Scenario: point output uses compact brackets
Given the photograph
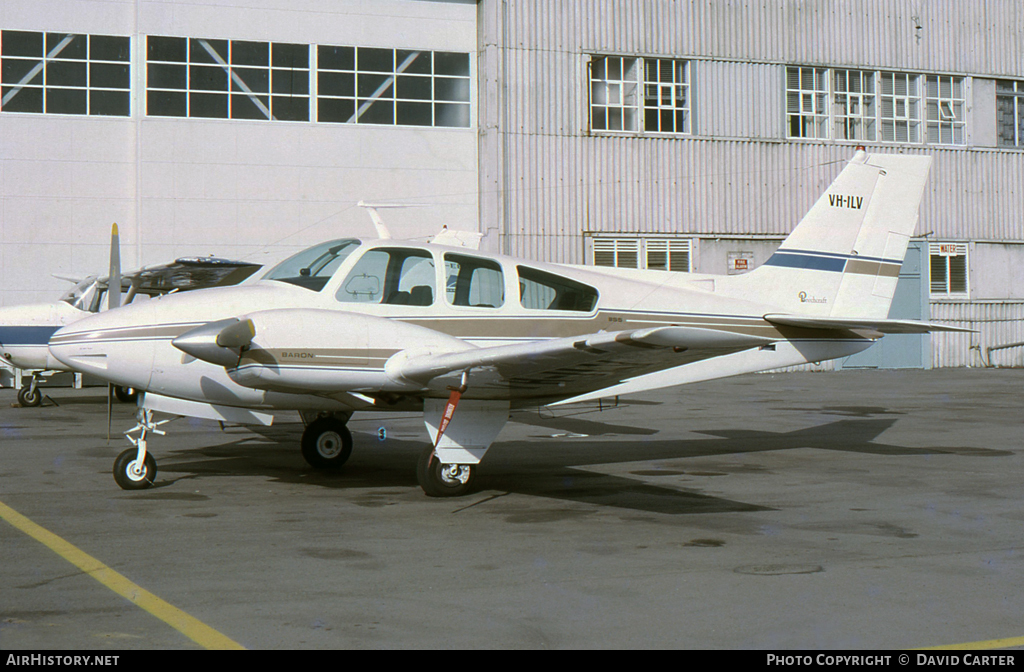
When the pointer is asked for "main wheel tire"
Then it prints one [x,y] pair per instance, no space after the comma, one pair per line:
[128,476]
[443,480]
[126,395]
[28,397]
[326,443]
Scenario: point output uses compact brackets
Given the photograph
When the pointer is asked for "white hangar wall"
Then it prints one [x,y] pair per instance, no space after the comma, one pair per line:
[243,188]
[552,183]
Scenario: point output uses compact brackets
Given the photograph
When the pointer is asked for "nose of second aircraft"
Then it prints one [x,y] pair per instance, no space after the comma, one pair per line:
[107,346]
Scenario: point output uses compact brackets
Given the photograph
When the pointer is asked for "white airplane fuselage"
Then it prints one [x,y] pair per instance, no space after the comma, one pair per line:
[25,333]
[315,349]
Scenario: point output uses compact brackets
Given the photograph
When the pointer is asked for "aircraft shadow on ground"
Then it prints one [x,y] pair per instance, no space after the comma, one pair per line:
[542,467]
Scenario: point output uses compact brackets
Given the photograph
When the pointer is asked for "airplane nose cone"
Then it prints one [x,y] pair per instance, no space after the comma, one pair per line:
[103,346]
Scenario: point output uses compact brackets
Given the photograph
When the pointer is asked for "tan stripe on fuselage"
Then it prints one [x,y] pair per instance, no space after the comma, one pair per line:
[863,267]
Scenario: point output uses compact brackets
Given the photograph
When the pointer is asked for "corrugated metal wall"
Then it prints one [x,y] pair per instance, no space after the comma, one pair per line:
[548,179]
[973,37]
[997,323]
[561,187]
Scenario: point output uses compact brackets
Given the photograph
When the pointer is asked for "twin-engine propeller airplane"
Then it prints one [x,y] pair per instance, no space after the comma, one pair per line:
[25,330]
[464,336]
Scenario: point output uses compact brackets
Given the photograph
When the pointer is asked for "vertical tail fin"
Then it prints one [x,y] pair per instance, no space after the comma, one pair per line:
[843,259]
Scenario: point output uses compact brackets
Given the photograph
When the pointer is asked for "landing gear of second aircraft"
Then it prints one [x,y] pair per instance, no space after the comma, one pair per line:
[29,395]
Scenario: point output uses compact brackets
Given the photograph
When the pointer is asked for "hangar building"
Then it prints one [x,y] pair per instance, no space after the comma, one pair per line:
[682,135]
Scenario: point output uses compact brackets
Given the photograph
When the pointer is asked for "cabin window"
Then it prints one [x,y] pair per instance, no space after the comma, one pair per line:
[312,268]
[543,291]
[474,282]
[392,276]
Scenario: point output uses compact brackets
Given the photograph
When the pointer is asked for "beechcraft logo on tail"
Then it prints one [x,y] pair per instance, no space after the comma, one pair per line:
[840,201]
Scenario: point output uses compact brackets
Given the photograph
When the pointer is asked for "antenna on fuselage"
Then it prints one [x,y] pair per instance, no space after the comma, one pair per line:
[378,222]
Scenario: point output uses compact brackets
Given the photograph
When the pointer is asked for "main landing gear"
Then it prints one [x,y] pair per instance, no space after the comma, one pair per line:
[326,442]
[443,480]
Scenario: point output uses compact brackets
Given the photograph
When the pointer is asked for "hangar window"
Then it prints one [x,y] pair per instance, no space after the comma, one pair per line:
[226,79]
[900,107]
[655,254]
[864,105]
[947,265]
[807,102]
[544,291]
[398,87]
[854,105]
[64,73]
[1010,113]
[645,95]
[944,110]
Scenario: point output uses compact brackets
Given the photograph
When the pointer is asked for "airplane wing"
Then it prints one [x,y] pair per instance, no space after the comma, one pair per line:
[267,342]
[881,326]
[565,366]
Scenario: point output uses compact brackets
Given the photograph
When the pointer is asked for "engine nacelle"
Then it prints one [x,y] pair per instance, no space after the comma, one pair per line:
[323,351]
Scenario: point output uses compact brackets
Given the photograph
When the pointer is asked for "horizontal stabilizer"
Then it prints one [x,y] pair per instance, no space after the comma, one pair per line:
[881,326]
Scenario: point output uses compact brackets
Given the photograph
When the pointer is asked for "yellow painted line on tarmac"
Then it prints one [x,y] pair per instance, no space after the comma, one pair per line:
[194,629]
[1007,643]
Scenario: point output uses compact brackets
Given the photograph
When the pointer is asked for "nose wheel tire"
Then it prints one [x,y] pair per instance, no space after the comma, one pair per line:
[126,395]
[28,396]
[443,480]
[326,443]
[130,475]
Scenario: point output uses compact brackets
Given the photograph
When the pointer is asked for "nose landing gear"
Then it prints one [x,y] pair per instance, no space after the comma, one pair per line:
[29,395]
[135,468]
[131,474]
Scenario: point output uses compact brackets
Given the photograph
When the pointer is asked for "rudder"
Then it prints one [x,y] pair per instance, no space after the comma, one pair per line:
[843,258]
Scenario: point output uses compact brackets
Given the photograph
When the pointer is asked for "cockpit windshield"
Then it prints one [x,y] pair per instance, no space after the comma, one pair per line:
[84,295]
[312,268]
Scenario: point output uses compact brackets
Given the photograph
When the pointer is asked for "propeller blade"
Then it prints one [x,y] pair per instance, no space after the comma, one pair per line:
[110,410]
[114,282]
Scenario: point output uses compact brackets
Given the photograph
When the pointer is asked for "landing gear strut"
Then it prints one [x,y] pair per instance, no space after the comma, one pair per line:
[327,443]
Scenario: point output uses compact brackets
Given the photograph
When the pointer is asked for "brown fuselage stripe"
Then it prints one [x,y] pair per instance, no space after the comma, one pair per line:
[874,268]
